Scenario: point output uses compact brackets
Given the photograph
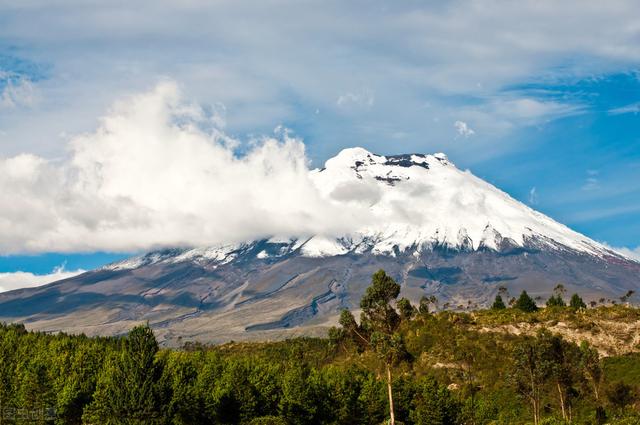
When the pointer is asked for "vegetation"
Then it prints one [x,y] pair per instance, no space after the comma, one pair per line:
[525,303]
[416,366]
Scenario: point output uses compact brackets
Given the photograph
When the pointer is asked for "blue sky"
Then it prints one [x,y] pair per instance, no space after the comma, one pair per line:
[539,98]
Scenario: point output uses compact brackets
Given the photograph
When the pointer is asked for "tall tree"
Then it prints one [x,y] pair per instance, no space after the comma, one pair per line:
[590,364]
[378,326]
[130,390]
[531,370]
[564,359]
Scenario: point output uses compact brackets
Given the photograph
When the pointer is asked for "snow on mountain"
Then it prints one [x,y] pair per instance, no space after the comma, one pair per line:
[414,202]
[424,200]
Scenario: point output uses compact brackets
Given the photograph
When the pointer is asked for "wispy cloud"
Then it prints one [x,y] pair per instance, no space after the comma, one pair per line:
[533,196]
[633,108]
[361,98]
[633,253]
[16,91]
[592,182]
[315,57]
[604,212]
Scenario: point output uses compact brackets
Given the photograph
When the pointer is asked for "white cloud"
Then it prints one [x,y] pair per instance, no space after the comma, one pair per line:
[633,108]
[364,98]
[17,280]
[592,182]
[306,55]
[633,253]
[463,129]
[151,175]
[533,196]
[18,92]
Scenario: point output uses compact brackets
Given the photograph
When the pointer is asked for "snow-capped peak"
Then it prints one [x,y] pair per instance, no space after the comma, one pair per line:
[405,202]
[421,201]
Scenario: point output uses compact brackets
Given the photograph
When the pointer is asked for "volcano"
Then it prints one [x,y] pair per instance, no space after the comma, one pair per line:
[436,229]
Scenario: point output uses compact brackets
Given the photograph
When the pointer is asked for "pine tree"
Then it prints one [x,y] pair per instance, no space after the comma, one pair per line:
[576,303]
[498,304]
[129,389]
[525,303]
[555,301]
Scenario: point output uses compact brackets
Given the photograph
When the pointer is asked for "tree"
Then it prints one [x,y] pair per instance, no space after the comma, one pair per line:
[557,298]
[498,304]
[555,301]
[424,306]
[434,405]
[530,372]
[129,388]
[564,359]
[300,402]
[425,302]
[525,303]
[378,326]
[590,364]
[405,309]
[628,295]
[576,302]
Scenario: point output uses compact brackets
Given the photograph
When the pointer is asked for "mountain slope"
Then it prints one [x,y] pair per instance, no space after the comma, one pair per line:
[435,228]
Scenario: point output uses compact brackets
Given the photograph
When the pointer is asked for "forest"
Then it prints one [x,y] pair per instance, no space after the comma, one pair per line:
[399,364]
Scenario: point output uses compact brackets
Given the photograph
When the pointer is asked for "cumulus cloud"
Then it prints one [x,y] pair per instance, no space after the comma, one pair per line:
[158,172]
[17,280]
[463,129]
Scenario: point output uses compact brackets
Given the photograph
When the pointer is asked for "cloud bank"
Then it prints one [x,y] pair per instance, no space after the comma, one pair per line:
[17,280]
[376,63]
[159,172]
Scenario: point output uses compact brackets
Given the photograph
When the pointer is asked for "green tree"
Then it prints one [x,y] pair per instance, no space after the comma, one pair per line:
[498,303]
[405,309]
[576,303]
[525,303]
[434,405]
[423,307]
[531,370]
[555,301]
[302,400]
[591,367]
[378,328]
[129,389]
[564,363]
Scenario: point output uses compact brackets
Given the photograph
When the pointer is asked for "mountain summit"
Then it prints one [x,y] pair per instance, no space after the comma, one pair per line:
[437,229]
[422,201]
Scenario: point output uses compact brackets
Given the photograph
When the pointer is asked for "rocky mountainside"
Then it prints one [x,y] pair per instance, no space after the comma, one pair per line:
[439,230]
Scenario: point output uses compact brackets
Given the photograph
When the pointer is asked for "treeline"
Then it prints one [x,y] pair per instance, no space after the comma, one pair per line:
[441,369]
